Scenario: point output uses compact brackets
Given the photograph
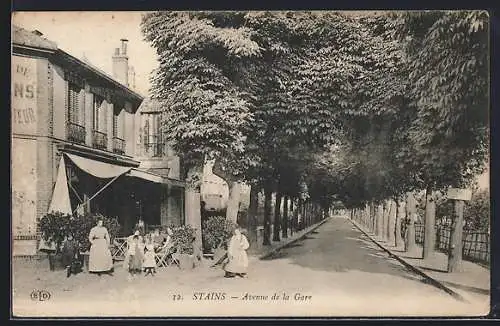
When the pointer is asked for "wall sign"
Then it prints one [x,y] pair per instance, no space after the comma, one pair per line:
[459,194]
[24,95]
[24,182]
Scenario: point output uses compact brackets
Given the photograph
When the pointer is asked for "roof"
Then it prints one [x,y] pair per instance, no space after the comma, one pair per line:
[27,38]
[31,41]
[150,105]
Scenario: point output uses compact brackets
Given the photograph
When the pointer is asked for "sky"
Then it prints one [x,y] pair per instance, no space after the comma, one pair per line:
[96,35]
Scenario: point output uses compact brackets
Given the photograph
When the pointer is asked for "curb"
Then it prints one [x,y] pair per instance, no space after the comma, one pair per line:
[412,268]
[281,246]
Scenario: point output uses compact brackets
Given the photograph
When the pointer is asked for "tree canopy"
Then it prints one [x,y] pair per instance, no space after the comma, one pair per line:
[361,107]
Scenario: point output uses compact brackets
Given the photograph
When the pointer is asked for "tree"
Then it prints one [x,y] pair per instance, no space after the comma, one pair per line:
[447,57]
[198,82]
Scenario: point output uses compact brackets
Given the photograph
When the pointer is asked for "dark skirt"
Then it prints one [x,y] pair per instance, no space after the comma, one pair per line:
[135,263]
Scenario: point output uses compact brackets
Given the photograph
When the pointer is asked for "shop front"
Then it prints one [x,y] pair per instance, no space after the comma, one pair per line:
[86,185]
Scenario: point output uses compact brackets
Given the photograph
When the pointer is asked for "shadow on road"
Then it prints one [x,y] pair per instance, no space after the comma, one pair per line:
[338,247]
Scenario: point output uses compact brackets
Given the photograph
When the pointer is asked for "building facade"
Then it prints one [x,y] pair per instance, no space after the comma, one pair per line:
[74,142]
[156,156]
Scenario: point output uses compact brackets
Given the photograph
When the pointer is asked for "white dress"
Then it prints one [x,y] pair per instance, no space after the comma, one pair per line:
[236,251]
[149,256]
[100,259]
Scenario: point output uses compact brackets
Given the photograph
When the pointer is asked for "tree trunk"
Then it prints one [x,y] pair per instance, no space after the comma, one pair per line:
[252,214]
[430,225]
[385,219]
[192,203]
[455,255]
[391,225]
[411,212]
[367,217]
[293,213]
[267,216]
[379,219]
[277,217]
[285,217]
[300,214]
[400,215]
[373,218]
[233,202]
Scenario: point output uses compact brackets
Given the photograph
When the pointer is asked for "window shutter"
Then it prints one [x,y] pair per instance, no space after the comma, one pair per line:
[115,125]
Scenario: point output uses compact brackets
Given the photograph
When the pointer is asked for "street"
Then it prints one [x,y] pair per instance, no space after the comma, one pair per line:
[333,271]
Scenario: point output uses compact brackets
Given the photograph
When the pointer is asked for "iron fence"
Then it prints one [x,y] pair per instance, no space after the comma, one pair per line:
[99,139]
[118,145]
[76,133]
[475,244]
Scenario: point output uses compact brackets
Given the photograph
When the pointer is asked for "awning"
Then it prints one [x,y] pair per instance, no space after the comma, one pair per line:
[145,175]
[152,177]
[60,198]
[97,168]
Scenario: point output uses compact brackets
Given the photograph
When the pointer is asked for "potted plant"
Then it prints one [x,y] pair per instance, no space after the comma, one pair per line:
[183,238]
[54,227]
[81,225]
[217,231]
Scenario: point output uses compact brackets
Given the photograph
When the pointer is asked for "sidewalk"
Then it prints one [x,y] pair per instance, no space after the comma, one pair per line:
[472,278]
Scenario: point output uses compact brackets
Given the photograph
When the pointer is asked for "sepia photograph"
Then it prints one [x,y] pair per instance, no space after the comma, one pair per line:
[250,164]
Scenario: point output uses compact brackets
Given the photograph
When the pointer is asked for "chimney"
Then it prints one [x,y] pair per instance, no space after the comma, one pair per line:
[131,77]
[124,46]
[120,63]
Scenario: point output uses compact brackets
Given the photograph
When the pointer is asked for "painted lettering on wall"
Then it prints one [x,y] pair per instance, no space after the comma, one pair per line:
[24,95]
[24,185]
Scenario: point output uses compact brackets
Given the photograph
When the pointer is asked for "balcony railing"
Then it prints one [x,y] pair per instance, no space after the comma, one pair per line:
[154,149]
[118,145]
[99,140]
[76,133]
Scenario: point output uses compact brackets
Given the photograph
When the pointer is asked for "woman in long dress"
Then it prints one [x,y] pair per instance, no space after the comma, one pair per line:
[237,255]
[100,260]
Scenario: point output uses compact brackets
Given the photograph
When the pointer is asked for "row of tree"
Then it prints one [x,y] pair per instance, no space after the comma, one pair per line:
[324,106]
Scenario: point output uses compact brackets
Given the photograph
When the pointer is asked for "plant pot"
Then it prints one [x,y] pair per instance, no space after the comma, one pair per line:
[56,262]
[186,261]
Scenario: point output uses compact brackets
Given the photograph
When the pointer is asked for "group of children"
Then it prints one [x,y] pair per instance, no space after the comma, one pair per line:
[141,251]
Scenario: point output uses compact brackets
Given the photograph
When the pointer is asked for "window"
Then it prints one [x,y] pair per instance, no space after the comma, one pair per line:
[97,124]
[75,114]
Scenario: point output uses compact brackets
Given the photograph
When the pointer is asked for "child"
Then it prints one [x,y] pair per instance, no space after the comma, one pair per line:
[71,256]
[149,257]
[135,260]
